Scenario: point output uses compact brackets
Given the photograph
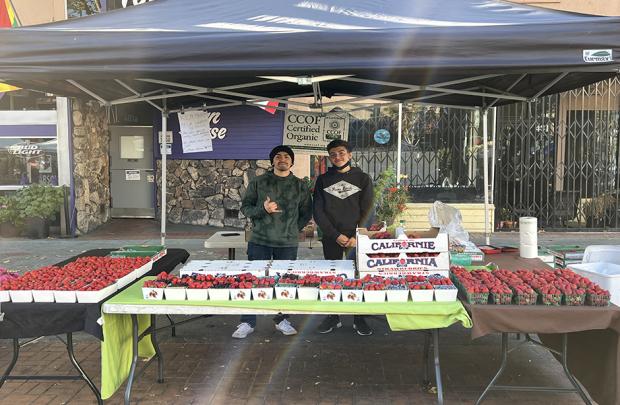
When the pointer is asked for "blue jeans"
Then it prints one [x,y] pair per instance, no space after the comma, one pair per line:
[261,252]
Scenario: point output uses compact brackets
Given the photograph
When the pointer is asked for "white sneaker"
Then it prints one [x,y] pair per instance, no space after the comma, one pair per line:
[243,330]
[286,328]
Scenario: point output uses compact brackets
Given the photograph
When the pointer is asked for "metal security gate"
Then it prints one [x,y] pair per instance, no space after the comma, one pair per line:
[557,159]
[441,150]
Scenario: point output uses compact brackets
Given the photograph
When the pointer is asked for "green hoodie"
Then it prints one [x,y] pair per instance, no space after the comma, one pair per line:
[279,229]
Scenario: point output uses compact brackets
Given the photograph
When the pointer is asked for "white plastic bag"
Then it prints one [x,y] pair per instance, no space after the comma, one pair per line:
[449,220]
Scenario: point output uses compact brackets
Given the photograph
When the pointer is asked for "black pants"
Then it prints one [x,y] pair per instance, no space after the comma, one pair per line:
[333,251]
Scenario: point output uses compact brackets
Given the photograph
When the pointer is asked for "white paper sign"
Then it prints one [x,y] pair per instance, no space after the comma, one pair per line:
[168,136]
[195,131]
[150,178]
[132,175]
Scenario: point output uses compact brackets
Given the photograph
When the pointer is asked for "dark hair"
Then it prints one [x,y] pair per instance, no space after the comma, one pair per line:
[339,142]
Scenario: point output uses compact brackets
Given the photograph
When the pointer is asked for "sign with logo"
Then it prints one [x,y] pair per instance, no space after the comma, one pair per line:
[114,4]
[306,131]
[382,136]
[597,55]
[24,149]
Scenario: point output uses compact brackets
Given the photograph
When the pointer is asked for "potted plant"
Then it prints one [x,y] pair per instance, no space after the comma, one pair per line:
[505,219]
[390,196]
[10,220]
[38,204]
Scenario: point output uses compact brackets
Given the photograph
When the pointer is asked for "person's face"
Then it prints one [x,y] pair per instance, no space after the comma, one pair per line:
[282,161]
[339,156]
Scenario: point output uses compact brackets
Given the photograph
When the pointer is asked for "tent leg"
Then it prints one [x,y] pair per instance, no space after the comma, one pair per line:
[400,143]
[163,150]
[486,176]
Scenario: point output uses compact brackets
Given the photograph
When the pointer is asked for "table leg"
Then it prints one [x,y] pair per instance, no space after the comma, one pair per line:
[13,362]
[504,355]
[160,359]
[231,253]
[437,367]
[570,376]
[173,325]
[425,359]
[134,358]
[75,363]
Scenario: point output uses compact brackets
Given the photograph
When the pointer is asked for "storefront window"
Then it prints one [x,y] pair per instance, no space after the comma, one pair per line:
[81,8]
[28,160]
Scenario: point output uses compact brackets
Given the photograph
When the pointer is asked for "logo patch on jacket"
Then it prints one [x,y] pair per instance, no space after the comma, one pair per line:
[342,189]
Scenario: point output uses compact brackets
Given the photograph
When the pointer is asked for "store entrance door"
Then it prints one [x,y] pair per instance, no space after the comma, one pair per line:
[132,179]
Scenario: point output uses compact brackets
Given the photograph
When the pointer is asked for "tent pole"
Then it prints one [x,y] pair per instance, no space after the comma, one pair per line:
[486,176]
[400,143]
[493,139]
[163,148]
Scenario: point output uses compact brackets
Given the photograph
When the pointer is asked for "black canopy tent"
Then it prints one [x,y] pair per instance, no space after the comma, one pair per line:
[171,53]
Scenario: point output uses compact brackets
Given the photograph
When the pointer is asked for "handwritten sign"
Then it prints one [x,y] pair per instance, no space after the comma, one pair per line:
[195,131]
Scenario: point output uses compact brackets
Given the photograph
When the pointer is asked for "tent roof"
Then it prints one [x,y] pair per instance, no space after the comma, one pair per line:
[387,46]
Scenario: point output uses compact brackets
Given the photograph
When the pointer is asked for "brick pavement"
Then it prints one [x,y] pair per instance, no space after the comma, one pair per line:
[203,365]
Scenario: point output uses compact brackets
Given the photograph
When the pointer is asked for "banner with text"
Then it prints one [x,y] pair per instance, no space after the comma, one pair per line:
[311,132]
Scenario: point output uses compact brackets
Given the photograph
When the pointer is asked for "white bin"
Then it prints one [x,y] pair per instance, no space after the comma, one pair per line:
[607,275]
[602,253]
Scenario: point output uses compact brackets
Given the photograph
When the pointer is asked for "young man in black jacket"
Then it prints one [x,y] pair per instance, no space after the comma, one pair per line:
[343,199]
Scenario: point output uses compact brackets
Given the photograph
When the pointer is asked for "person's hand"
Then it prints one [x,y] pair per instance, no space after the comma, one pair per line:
[270,206]
[352,242]
[342,240]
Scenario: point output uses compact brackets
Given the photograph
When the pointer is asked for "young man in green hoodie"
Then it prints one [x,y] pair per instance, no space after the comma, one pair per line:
[279,205]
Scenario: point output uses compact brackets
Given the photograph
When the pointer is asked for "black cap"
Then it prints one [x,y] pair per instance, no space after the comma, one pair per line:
[281,148]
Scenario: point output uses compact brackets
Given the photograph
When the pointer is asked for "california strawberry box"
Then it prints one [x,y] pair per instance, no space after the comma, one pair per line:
[85,280]
[527,287]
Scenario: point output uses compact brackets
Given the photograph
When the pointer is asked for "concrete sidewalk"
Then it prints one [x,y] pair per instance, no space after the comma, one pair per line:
[204,365]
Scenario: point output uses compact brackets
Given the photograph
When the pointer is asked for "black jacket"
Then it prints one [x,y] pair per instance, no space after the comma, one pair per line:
[342,201]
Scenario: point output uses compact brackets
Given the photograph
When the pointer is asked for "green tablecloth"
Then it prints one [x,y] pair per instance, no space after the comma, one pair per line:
[401,316]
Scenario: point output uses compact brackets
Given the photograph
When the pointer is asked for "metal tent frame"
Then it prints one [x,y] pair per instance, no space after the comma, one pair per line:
[231,96]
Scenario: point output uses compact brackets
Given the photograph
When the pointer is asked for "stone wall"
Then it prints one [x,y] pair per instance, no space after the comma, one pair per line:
[91,159]
[208,192]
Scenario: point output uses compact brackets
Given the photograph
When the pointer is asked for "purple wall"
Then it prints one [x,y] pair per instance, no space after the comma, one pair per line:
[251,133]
[22,131]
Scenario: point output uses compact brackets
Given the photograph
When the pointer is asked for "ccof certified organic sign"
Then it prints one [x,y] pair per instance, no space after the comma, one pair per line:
[597,55]
[313,131]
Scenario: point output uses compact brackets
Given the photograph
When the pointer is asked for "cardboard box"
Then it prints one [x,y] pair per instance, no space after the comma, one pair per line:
[257,268]
[344,268]
[403,265]
[427,241]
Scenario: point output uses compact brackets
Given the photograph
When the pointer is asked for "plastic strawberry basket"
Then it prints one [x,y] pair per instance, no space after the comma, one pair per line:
[597,300]
[550,299]
[574,299]
[525,299]
[501,299]
[477,298]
